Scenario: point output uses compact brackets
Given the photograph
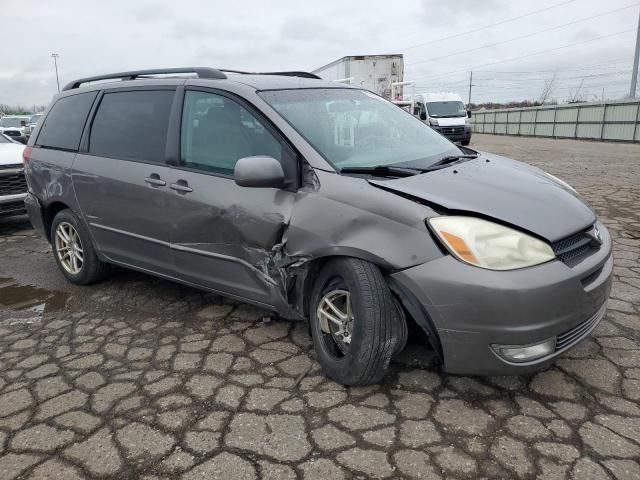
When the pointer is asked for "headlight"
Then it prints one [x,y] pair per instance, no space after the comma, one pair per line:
[490,245]
[467,121]
[561,182]
[433,122]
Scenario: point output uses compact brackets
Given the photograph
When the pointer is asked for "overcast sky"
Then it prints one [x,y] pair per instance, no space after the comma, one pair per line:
[94,37]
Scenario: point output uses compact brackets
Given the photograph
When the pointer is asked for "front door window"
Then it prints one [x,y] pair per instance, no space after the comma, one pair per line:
[217,131]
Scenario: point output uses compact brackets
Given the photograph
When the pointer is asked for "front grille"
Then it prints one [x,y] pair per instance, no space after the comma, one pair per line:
[12,208]
[12,133]
[572,249]
[13,184]
[452,130]
[11,167]
[576,334]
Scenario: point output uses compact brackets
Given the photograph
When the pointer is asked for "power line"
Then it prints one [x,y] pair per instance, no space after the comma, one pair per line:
[463,81]
[586,67]
[557,27]
[479,29]
[510,59]
[576,77]
[534,79]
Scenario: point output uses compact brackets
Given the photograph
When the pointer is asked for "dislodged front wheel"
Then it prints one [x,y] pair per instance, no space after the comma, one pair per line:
[355,322]
[69,248]
[336,319]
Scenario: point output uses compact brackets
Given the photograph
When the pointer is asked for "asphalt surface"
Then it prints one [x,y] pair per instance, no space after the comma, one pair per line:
[141,378]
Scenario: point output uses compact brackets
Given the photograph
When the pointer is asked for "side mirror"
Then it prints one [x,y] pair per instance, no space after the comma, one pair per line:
[469,113]
[423,115]
[23,123]
[259,172]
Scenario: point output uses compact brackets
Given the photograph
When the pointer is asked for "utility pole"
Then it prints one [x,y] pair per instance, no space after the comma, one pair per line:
[55,57]
[636,60]
[470,85]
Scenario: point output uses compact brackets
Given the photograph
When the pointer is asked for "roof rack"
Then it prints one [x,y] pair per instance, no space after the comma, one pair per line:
[294,74]
[284,74]
[201,72]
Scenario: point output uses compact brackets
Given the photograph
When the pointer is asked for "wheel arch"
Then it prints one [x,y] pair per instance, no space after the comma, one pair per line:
[414,312]
[49,213]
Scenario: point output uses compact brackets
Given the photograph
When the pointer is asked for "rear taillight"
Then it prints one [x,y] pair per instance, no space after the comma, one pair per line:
[26,153]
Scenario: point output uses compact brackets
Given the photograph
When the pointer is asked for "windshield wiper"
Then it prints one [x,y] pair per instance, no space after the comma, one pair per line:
[448,160]
[383,171]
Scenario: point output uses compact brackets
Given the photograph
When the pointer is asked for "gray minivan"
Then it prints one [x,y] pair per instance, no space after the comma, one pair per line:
[322,202]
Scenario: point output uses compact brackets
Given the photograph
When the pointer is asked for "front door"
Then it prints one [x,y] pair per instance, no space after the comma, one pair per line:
[122,181]
[224,235]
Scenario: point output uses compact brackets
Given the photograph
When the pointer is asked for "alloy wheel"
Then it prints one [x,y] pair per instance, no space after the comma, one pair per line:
[69,248]
[335,316]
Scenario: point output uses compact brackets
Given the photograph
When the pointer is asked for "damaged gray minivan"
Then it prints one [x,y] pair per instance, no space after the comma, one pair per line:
[321,202]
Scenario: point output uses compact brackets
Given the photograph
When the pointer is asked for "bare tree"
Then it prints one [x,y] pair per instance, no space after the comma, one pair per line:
[574,95]
[548,87]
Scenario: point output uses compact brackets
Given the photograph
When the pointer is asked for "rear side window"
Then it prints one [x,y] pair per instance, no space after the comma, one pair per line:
[132,125]
[63,126]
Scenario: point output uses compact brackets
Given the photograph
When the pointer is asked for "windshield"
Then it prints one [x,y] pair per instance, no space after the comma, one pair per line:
[12,121]
[35,118]
[356,128]
[446,109]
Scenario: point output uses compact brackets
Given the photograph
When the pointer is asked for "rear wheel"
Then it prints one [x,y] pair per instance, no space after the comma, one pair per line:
[356,323]
[465,142]
[73,250]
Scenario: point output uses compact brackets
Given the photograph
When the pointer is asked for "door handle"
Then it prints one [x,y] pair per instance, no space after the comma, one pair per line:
[155,181]
[181,186]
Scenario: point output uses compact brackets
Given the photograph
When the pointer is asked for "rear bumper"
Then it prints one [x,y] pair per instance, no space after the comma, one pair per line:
[35,212]
[472,308]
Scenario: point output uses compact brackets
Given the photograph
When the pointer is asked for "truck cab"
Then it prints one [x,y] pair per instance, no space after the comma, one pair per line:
[15,127]
[445,113]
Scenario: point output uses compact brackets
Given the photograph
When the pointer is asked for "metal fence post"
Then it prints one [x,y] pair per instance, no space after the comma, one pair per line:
[575,131]
[553,128]
[635,125]
[535,122]
[604,118]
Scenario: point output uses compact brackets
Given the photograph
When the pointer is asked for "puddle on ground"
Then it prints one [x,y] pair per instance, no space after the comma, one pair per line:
[27,297]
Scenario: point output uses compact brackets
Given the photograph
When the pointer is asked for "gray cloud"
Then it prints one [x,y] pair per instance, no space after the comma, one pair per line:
[94,37]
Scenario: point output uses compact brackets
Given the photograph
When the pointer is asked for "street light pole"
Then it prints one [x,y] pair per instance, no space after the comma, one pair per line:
[636,60]
[55,57]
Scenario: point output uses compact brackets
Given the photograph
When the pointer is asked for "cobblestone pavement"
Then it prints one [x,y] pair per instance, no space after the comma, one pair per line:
[141,378]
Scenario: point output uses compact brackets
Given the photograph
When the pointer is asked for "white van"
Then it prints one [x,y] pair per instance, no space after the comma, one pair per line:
[445,113]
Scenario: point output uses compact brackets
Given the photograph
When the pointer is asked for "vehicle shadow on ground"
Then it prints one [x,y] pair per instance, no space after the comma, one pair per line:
[9,225]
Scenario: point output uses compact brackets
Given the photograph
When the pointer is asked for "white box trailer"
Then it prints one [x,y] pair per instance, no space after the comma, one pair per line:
[373,72]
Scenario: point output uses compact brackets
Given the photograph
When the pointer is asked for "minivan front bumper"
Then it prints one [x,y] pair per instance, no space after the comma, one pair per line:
[474,310]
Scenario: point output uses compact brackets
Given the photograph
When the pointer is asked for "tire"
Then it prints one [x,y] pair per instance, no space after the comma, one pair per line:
[91,268]
[378,328]
[465,142]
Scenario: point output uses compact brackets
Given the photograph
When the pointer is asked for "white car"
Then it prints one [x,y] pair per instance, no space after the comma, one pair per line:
[16,127]
[13,185]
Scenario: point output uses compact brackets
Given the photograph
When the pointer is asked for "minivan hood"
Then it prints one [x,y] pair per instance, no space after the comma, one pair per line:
[510,191]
